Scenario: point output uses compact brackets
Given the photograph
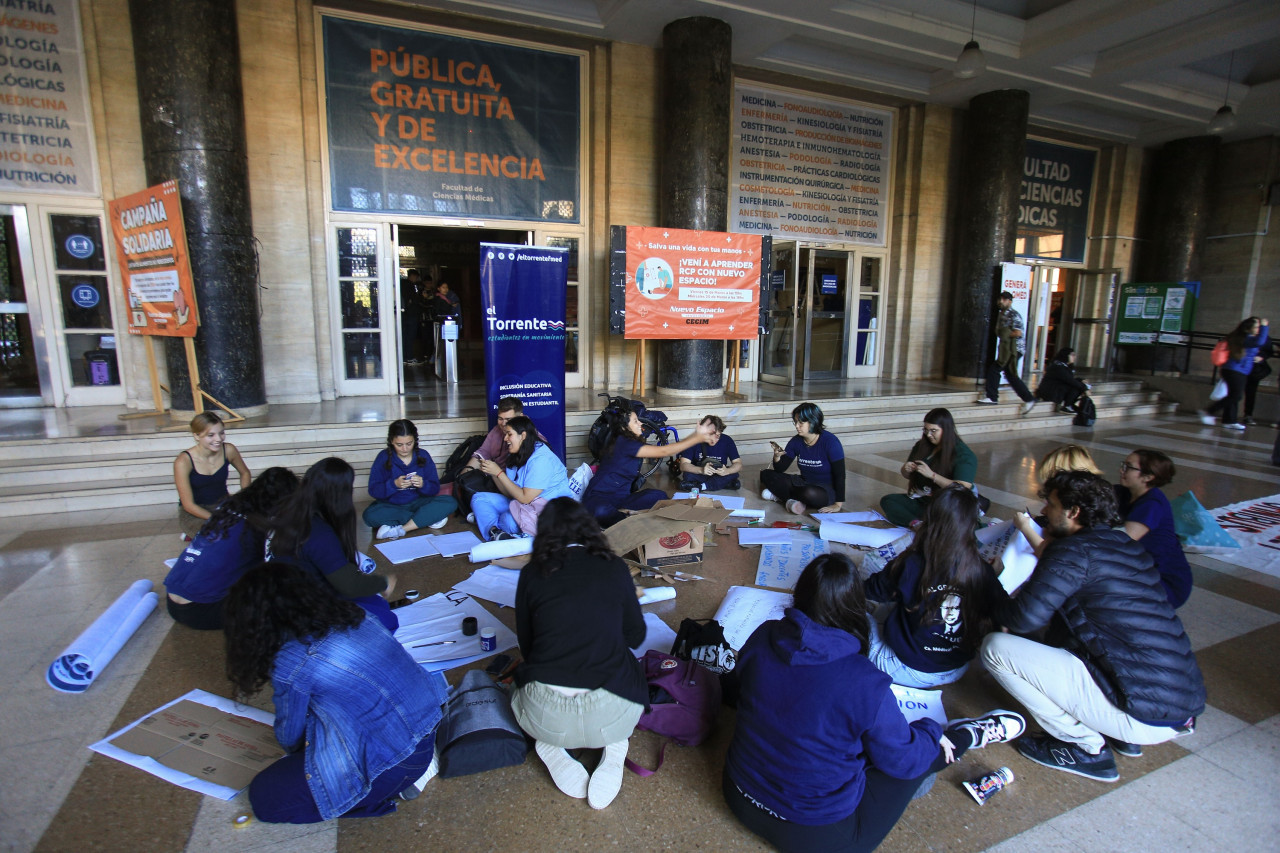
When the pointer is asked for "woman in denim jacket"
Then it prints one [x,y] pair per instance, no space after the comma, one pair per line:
[355,713]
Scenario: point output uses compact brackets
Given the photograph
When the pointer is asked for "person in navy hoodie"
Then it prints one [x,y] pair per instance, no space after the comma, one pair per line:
[818,455]
[821,758]
[228,545]
[938,597]
[405,487]
[1242,348]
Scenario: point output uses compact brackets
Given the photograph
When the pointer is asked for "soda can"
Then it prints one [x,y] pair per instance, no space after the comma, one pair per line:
[984,787]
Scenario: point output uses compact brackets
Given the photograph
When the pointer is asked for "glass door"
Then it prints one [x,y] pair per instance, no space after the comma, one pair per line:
[867,339]
[24,368]
[777,345]
[359,305]
[574,343]
[828,295]
[82,308]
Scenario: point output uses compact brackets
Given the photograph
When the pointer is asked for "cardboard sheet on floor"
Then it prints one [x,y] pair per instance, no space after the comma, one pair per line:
[667,518]
[1004,546]
[400,551]
[438,619]
[199,741]
[857,534]
[453,544]
[745,608]
[917,704]
[658,635]
[492,583]
[729,502]
[780,566]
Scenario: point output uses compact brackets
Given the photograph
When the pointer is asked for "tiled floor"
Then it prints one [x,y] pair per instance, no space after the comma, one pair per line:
[1215,790]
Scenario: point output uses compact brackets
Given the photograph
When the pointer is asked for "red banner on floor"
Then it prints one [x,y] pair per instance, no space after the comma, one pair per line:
[692,284]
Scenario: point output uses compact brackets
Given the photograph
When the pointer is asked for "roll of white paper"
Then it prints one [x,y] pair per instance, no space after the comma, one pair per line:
[82,661]
[856,534]
[487,551]
[657,593]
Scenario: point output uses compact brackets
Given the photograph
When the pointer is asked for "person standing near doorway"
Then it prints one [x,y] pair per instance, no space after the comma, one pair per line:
[1010,346]
[410,317]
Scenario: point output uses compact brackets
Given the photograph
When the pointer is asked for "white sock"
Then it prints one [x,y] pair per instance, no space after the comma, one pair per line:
[569,776]
[606,781]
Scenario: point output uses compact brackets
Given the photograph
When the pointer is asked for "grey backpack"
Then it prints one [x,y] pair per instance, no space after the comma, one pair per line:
[478,731]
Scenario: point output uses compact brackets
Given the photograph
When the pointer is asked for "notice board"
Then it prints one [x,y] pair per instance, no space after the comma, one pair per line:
[1161,312]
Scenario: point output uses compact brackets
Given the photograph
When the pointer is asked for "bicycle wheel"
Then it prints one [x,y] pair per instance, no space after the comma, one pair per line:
[663,435]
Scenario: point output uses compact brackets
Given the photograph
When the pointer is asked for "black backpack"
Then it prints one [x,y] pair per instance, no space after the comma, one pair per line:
[1086,412]
[460,456]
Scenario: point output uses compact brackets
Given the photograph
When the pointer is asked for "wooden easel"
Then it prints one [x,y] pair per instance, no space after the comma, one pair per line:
[735,367]
[637,373]
[198,394]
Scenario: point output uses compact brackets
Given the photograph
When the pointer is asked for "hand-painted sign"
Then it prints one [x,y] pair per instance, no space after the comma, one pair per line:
[523,291]
[435,125]
[151,248]
[692,284]
[1053,211]
[808,168]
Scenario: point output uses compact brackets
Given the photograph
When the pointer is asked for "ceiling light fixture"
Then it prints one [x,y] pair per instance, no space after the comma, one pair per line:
[1224,120]
[970,62]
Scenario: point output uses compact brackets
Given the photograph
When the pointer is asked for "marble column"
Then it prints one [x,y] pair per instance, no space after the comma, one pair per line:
[697,94]
[187,55]
[995,134]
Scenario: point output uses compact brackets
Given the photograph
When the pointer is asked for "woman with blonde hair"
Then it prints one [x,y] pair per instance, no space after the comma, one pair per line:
[1068,457]
[200,473]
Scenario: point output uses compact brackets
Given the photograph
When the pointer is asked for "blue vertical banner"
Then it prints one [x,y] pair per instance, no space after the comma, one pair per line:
[522,290]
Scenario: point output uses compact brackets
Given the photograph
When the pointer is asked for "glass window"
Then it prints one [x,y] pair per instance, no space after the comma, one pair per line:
[92,359]
[85,301]
[77,242]
[572,330]
[362,352]
[358,302]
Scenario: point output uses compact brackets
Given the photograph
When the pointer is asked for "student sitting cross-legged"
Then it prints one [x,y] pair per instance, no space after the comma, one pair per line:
[405,487]
[821,758]
[532,475]
[711,467]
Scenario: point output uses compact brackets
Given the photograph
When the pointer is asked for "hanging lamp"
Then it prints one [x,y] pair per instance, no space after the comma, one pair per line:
[1224,120]
[970,63]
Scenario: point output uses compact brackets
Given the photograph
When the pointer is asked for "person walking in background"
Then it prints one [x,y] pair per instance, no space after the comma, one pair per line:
[1010,346]
[1242,347]
[1258,372]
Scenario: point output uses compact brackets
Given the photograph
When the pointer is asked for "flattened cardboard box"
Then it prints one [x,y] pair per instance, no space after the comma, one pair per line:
[671,533]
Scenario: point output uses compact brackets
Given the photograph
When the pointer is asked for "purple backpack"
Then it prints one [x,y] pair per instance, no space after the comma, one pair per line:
[684,698]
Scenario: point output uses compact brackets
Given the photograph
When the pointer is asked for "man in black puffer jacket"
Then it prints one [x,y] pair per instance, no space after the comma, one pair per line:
[1116,662]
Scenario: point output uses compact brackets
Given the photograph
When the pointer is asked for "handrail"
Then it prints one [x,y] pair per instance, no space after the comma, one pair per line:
[1204,341]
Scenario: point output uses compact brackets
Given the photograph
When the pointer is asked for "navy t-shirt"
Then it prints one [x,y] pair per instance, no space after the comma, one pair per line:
[618,470]
[721,454]
[1161,542]
[208,568]
[815,462]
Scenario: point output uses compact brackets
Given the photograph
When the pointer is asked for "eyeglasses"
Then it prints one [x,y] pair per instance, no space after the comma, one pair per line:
[1125,466]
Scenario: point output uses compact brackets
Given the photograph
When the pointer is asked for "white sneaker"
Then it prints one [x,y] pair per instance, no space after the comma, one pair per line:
[471,518]
[795,507]
[985,401]
[569,776]
[389,531]
[768,495]
[1239,427]
[441,523]
[1028,406]
[606,779]
[1206,418]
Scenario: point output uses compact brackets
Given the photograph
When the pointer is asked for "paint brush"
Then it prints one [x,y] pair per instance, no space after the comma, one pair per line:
[440,643]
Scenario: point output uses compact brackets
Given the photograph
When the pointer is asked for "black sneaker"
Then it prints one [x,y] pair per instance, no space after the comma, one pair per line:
[1060,755]
[497,534]
[1128,750]
[735,484]
[998,726]
[687,486]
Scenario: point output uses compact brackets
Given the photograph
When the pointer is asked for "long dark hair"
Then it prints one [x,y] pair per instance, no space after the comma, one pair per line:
[399,429]
[618,420]
[830,593]
[945,544]
[945,448]
[326,492]
[564,522]
[272,604]
[254,503]
[525,427]
[1237,336]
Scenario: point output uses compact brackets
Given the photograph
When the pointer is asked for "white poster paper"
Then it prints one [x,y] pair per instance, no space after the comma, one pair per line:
[780,565]
[856,534]
[764,535]
[400,551]
[492,583]
[437,621]
[658,636]
[916,704]
[745,608]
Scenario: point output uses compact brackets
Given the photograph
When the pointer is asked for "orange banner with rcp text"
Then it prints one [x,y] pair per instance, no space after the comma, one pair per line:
[692,284]
[151,248]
